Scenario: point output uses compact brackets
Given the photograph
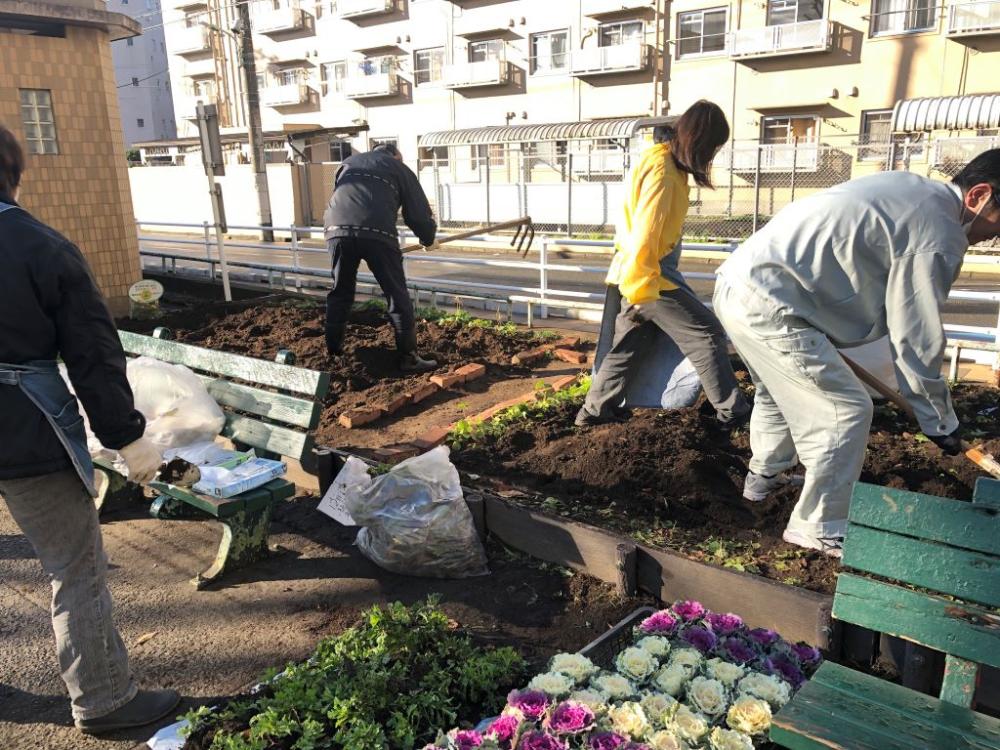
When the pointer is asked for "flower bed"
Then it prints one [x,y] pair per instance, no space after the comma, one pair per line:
[692,679]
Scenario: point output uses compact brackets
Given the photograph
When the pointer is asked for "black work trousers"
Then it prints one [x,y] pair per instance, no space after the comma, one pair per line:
[386,264]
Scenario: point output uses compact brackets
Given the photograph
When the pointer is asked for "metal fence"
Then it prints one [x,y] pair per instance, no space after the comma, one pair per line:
[577,188]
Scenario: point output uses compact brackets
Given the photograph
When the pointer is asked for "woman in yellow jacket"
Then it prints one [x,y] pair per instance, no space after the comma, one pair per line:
[644,269]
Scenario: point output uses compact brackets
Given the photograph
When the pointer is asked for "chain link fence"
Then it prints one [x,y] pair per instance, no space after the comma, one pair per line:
[577,189]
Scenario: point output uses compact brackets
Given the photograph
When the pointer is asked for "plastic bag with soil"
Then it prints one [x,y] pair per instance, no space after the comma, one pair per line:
[416,521]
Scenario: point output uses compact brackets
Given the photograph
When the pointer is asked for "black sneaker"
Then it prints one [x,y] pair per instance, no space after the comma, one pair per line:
[147,706]
[586,419]
[413,362]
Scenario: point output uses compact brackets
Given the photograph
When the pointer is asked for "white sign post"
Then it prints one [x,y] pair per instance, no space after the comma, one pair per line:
[211,157]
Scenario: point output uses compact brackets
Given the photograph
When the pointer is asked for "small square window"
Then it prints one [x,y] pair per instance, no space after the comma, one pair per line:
[135,81]
[140,123]
[130,42]
[39,121]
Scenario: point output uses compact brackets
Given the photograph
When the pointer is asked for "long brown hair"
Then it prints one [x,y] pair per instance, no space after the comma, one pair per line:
[11,162]
[698,135]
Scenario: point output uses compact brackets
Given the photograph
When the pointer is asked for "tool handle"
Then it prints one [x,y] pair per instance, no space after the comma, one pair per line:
[984,461]
[473,233]
[880,388]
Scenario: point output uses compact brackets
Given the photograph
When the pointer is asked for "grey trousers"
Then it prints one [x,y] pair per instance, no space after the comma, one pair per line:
[698,334]
[58,517]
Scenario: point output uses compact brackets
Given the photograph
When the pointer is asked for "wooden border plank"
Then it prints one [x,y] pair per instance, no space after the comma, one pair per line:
[277,407]
[308,382]
[971,526]
[949,570]
[956,628]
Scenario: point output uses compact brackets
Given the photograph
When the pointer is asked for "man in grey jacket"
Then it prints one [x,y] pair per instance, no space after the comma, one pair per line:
[369,191]
[872,257]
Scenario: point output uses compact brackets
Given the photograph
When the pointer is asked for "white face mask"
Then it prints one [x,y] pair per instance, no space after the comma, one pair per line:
[967,226]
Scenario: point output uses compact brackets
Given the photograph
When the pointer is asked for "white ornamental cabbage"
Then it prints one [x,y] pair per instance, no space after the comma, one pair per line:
[772,689]
[657,645]
[665,740]
[630,720]
[595,700]
[659,708]
[726,739]
[690,726]
[725,672]
[671,679]
[707,696]
[689,658]
[576,666]
[614,686]
[636,663]
[553,684]
[749,715]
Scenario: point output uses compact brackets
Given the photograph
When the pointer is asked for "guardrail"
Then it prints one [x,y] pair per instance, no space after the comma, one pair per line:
[543,295]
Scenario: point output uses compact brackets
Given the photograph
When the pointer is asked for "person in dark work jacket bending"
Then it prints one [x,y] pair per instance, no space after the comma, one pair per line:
[360,225]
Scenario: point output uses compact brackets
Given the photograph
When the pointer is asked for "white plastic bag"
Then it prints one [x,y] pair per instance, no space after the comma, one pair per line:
[177,406]
[416,521]
[351,479]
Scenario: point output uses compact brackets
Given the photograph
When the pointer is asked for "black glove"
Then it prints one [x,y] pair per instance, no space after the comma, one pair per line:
[950,443]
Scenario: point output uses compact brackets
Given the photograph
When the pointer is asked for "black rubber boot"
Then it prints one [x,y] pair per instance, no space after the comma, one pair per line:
[413,362]
[586,419]
[147,706]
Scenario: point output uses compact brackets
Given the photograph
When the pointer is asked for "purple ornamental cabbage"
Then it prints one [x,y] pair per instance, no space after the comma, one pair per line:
[724,624]
[570,717]
[504,729]
[659,623]
[689,610]
[701,638]
[764,637]
[783,666]
[737,650]
[809,656]
[541,741]
[606,741]
[531,703]
[467,739]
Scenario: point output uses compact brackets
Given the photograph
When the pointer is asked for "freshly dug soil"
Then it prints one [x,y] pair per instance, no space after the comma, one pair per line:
[675,479]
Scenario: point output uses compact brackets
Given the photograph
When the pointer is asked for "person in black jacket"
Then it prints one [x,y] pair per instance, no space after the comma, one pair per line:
[51,308]
[360,224]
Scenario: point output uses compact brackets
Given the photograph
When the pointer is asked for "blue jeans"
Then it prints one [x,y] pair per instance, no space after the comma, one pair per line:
[58,517]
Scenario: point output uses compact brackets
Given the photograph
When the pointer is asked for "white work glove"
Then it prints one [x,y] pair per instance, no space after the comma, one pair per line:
[143,460]
[433,246]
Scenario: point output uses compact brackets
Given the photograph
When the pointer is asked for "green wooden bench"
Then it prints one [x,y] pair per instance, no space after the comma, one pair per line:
[275,423]
[933,578]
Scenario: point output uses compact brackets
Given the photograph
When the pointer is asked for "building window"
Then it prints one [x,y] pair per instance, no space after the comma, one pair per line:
[140,123]
[701,32]
[333,75]
[550,51]
[488,49]
[130,42]
[384,141]
[616,34]
[288,76]
[434,156]
[192,18]
[427,65]
[903,16]
[797,128]
[39,121]
[781,12]
[876,134]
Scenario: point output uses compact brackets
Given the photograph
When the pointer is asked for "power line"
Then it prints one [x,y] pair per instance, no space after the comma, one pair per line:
[136,83]
[201,13]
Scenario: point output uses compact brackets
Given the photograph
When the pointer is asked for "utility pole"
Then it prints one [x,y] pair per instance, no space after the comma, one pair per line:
[254,128]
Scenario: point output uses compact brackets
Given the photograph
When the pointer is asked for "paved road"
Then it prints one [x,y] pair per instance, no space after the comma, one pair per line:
[585,278]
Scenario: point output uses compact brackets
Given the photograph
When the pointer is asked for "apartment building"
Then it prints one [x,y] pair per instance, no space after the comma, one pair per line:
[142,71]
[57,94]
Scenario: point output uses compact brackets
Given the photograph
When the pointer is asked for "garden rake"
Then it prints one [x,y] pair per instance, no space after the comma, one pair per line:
[984,461]
[522,239]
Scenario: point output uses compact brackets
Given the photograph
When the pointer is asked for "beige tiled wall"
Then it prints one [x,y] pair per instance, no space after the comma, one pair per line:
[83,191]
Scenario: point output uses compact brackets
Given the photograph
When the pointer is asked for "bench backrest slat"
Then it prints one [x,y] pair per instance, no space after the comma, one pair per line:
[286,377]
[277,407]
[964,630]
[971,526]
[267,437]
[950,570]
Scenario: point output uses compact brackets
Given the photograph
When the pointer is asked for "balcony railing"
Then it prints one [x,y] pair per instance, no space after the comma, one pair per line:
[599,162]
[595,8]
[785,39]
[186,108]
[285,95]
[957,151]
[974,19]
[474,74]
[289,17]
[371,86]
[774,157]
[362,8]
[189,40]
[621,58]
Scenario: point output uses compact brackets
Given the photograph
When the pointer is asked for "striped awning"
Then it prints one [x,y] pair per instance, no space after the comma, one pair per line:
[970,112]
[559,131]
